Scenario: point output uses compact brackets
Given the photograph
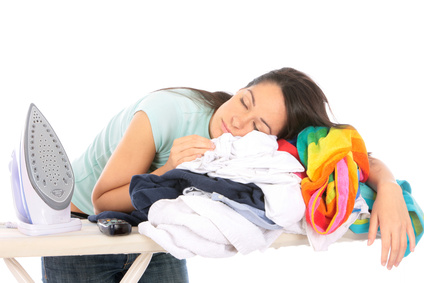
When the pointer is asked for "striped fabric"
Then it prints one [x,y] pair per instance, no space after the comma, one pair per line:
[336,160]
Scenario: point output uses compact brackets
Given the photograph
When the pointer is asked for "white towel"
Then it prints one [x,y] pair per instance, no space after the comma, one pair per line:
[194,225]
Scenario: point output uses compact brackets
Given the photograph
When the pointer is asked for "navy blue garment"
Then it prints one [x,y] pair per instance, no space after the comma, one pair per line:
[146,189]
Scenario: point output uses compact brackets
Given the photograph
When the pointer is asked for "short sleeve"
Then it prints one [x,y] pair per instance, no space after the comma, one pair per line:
[173,114]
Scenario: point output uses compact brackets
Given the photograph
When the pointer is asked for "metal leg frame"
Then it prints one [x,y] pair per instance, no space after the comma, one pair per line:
[133,274]
[18,271]
[137,268]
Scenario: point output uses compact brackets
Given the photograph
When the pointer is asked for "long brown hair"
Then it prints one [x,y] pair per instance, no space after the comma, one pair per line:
[305,101]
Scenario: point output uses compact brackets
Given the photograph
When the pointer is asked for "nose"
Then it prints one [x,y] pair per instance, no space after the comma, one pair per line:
[238,122]
[241,125]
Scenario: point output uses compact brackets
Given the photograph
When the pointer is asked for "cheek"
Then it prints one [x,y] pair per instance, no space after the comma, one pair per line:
[220,114]
[214,125]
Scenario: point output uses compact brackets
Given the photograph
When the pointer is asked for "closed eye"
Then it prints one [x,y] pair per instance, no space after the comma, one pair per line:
[244,104]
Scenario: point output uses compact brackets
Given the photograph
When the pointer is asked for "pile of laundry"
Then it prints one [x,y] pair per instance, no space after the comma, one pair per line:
[243,195]
[237,198]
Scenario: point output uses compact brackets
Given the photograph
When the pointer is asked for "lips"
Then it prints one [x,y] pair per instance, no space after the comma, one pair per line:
[225,128]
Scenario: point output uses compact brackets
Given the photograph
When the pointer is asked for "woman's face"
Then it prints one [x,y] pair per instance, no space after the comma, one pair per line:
[260,107]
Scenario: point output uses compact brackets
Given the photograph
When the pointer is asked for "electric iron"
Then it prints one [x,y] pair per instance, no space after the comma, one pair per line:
[42,180]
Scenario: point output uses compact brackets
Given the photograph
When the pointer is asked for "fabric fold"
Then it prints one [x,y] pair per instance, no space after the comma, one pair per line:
[194,225]
[336,160]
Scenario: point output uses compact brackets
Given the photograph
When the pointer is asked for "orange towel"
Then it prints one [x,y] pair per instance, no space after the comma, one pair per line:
[336,160]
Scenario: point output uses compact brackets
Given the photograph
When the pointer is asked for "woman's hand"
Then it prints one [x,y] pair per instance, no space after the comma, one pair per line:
[390,213]
[187,148]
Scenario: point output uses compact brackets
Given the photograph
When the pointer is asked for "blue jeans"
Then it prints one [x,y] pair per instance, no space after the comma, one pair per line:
[163,268]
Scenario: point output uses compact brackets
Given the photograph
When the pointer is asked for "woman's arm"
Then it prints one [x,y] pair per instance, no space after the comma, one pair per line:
[390,214]
[134,155]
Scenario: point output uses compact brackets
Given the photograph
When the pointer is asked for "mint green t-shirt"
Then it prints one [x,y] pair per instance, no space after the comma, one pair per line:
[172,114]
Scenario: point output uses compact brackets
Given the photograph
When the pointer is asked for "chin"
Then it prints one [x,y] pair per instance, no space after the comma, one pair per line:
[216,134]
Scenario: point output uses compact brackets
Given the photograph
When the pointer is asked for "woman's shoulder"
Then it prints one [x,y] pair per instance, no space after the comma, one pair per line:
[175,93]
[173,100]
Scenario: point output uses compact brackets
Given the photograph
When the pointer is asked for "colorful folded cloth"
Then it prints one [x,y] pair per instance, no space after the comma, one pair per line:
[336,160]
[415,213]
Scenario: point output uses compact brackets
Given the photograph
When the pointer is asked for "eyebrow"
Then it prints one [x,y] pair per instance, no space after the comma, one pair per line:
[253,102]
[253,97]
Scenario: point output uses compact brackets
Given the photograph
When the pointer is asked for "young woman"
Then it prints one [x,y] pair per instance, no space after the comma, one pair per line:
[171,126]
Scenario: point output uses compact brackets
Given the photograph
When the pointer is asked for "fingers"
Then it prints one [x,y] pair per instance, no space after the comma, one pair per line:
[189,148]
[389,243]
[386,243]
[403,243]
[372,233]
[192,146]
[393,241]
[411,237]
[396,242]
[193,142]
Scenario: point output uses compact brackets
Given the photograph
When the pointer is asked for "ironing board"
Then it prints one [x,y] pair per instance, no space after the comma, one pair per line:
[89,240]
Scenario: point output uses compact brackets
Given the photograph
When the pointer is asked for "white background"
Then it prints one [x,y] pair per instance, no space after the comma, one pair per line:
[82,61]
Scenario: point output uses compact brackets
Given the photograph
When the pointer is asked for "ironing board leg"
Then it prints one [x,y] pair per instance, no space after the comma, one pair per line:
[137,268]
[17,270]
